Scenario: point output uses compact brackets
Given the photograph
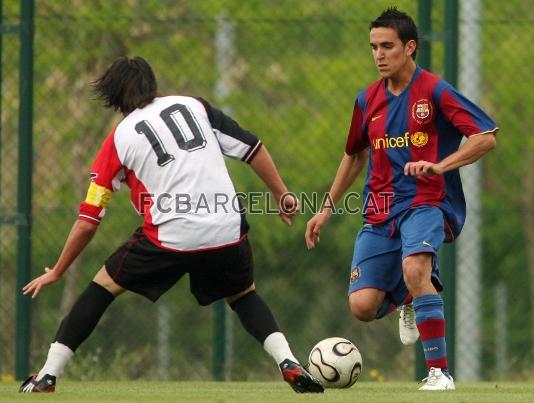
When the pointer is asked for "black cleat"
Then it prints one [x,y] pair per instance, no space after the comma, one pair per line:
[46,384]
[299,379]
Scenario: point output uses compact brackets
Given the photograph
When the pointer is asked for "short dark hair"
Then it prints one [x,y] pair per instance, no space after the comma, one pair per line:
[401,22]
[129,83]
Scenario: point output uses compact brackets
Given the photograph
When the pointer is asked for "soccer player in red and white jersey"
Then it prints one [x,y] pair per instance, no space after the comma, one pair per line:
[169,150]
[407,127]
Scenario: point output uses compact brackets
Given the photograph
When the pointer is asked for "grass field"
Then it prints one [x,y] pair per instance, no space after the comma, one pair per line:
[250,392]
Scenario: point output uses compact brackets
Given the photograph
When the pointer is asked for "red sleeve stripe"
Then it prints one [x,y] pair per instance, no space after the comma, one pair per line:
[93,212]
[355,141]
[107,163]
[466,116]
[458,115]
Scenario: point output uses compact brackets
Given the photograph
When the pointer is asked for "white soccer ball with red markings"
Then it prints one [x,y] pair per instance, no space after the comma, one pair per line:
[335,362]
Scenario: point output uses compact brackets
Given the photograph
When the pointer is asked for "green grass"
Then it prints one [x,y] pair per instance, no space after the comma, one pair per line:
[222,392]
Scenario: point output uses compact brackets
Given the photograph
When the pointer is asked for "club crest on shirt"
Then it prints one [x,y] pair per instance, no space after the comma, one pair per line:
[419,139]
[422,111]
[355,274]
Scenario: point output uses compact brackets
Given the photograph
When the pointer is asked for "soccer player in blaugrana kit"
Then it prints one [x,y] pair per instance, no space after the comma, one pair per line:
[169,151]
[407,127]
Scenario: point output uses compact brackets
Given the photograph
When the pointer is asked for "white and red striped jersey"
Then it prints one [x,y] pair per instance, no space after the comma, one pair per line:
[170,154]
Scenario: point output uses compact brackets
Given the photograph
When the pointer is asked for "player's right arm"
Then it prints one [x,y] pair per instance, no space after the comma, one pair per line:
[347,172]
[80,235]
[104,174]
[356,155]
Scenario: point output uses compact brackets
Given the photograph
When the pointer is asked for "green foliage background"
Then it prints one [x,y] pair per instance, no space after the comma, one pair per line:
[296,68]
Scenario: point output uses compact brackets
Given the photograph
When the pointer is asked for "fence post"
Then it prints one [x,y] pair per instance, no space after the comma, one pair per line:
[449,250]
[1,76]
[24,193]
[223,341]
[469,252]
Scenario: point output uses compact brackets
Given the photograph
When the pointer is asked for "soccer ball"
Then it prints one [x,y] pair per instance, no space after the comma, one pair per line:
[335,362]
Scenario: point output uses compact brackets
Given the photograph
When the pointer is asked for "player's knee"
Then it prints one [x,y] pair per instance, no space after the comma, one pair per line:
[362,311]
[233,298]
[103,279]
[412,278]
[416,270]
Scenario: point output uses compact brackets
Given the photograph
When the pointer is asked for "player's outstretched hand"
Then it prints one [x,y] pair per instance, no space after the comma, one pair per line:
[422,168]
[37,283]
[288,206]
[313,228]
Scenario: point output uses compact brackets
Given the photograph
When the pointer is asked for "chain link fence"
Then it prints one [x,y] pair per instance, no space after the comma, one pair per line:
[289,72]
[9,92]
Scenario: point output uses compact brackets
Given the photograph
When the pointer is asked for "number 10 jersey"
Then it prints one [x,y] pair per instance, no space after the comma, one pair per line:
[171,155]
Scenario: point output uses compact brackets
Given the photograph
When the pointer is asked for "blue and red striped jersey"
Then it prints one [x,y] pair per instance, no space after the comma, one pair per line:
[425,122]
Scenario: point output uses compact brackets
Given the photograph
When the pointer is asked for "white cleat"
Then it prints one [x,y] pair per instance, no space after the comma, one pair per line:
[407,328]
[437,380]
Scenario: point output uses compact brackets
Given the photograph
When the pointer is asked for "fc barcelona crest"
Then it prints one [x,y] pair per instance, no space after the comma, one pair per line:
[355,274]
[422,111]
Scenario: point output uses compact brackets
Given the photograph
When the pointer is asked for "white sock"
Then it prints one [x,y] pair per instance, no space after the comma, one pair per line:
[58,356]
[278,348]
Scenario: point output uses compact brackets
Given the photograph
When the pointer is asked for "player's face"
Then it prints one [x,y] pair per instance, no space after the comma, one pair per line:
[389,53]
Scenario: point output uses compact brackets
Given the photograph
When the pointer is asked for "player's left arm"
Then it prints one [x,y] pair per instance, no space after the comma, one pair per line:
[237,142]
[470,120]
[476,146]
[264,166]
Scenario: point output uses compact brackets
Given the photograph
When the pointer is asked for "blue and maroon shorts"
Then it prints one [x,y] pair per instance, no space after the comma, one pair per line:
[380,249]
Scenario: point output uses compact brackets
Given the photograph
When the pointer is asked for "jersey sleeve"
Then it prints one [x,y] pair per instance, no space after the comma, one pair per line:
[463,114]
[106,173]
[235,141]
[357,139]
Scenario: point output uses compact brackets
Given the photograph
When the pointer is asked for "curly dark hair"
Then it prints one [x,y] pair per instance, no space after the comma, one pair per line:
[129,83]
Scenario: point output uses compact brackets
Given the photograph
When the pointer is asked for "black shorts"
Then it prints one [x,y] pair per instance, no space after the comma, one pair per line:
[140,266]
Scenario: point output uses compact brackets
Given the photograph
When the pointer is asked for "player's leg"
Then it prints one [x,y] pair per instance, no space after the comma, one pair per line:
[430,320]
[422,233]
[375,272]
[258,320]
[228,273]
[74,330]
[408,332]
[138,266]
[254,314]
[368,303]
